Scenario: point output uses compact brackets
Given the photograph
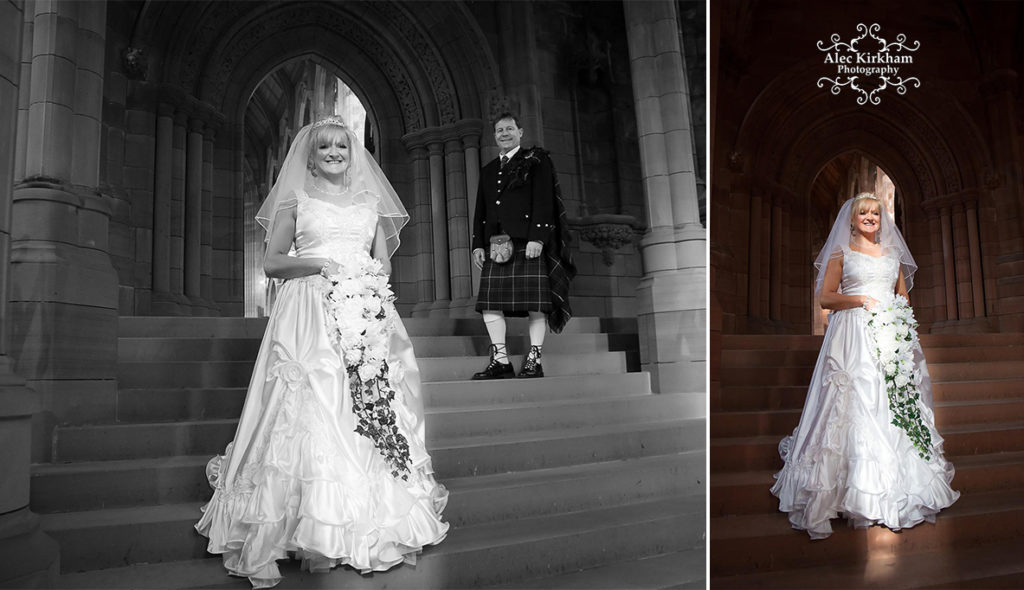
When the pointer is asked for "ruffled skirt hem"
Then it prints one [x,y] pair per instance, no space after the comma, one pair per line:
[251,537]
[865,491]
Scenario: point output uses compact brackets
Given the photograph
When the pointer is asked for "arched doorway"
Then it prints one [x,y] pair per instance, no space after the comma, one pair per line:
[842,178]
[295,94]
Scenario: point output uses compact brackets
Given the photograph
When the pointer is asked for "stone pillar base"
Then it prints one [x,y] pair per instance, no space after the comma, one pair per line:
[31,558]
[440,309]
[968,326]
[422,309]
[174,304]
[203,307]
[463,308]
[672,310]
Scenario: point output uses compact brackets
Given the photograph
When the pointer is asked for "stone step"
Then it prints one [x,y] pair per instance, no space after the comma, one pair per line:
[175,480]
[759,453]
[683,569]
[164,404]
[206,327]
[525,451]
[991,565]
[245,349]
[747,492]
[782,422]
[940,373]
[811,342]
[765,542]
[553,415]
[471,556]
[782,397]
[743,358]
[165,374]
[452,456]
[677,570]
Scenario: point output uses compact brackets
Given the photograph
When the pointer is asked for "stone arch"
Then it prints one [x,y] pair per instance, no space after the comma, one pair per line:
[930,147]
[943,158]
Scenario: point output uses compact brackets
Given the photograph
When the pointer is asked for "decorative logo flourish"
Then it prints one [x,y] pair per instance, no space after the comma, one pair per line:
[870,69]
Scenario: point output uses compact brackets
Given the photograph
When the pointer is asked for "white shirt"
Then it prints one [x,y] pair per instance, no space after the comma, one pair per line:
[512,152]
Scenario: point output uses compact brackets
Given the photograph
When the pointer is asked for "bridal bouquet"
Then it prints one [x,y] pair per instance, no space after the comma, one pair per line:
[362,316]
[894,329]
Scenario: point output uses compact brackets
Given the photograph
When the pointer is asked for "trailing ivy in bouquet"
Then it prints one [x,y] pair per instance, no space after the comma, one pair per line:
[360,307]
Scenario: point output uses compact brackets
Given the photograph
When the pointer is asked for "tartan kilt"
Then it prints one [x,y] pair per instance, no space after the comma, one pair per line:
[516,287]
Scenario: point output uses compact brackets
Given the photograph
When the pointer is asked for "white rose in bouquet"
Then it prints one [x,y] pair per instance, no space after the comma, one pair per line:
[372,305]
[353,355]
[367,371]
[348,287]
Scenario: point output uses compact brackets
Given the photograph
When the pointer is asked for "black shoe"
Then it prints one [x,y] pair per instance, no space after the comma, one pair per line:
[531,365]
[496,369]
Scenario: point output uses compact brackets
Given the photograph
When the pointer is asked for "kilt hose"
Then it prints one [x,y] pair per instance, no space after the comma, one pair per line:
[515,287]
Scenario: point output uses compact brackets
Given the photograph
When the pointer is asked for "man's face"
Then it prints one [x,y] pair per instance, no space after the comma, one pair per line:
[507,134]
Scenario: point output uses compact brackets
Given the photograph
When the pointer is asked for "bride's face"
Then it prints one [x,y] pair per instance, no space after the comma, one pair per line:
[867,218]
[331,156]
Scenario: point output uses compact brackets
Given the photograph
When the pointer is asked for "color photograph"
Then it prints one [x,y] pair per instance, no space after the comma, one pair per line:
[866,295]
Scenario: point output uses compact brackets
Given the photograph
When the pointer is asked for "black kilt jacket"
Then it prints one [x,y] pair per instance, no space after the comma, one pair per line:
[514,201]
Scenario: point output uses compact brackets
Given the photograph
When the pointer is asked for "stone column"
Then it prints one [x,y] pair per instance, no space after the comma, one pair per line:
[974,245]
[458,224]
[754,259]
[935,243]
[439,227]
[945,219]
[206,232]
[179,179]
[193,208]
[31,558]
[469,132]
[162,200]
[421,213]
[776,249]
[962,262]
[672,294]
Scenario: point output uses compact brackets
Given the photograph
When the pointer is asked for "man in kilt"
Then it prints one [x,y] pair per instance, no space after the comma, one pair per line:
[518,202]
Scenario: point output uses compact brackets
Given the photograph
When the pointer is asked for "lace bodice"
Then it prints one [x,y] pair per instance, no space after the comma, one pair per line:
[864,274]
[327,230]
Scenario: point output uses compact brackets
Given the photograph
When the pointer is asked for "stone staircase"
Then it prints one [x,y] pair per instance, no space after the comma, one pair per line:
[978,386]
[582,473]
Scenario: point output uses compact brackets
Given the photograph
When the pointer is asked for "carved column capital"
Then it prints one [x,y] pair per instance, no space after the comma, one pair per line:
[608,232]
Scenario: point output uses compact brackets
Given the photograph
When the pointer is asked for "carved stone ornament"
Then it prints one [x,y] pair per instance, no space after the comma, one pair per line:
[135,66]
[736,161]
[500,103]
[608,232]
[991,179]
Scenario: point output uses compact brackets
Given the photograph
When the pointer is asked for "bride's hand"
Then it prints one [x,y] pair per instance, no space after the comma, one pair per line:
[868,302]
[330,269]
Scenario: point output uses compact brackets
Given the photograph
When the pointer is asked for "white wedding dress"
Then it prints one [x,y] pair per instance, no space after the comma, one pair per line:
[297,477]
[845,456]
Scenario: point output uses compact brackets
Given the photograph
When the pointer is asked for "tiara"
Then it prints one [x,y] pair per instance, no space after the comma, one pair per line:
[331,120]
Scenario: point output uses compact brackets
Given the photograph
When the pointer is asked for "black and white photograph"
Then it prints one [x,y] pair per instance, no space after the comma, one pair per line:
[353,294]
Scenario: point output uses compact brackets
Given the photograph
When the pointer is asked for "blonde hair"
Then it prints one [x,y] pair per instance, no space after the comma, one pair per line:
[327,134]
[858,202]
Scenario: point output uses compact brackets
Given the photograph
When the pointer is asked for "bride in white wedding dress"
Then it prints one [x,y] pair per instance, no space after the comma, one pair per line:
[847,456]
[328,462]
